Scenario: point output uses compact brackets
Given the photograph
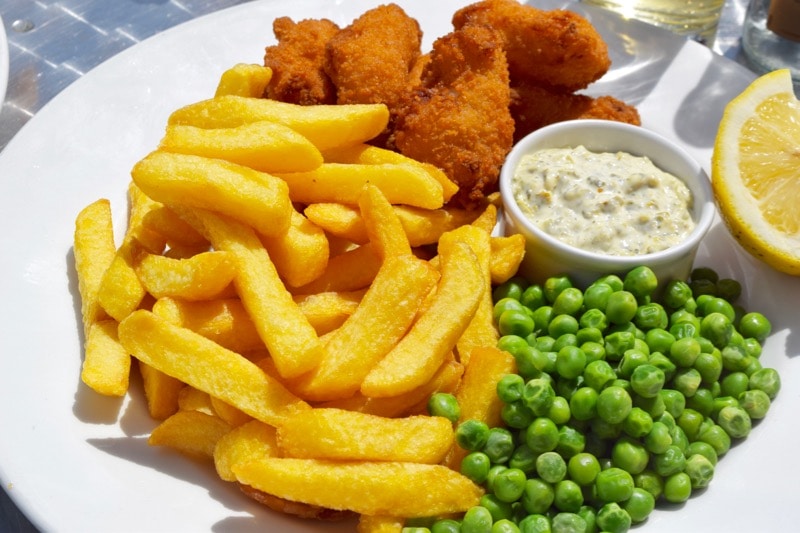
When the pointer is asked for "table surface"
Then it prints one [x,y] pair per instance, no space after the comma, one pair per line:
[53,43]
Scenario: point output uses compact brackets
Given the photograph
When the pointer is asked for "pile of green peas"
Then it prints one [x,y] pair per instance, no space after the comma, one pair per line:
[622,399]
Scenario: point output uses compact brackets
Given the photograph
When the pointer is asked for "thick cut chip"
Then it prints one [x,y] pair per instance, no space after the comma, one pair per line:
[200,277]
[384,315]
[248,442]
[477,392]
[244,79]
[373,155]
[192,433]
[348,435]
[191,399]
[94,250]
[341,220]
[106,365]
[446,379]
[507,254]
[263,146]
[415,359]
[348,271]
[141,207]
[121,291]
[161,392]
[342,183]
[286,332]
[481,330]
[382,225]
[426,226]
[327,126]
[164,221]
[254,198]
[374,488]
[224,321]
[230,414]
[207,366]
[327,311]
[301,254]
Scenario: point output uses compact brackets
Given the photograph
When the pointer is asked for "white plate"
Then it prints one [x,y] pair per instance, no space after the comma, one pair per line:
[3,61]
[76,462]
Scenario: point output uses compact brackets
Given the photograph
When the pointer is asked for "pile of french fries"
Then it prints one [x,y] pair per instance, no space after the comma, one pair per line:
[292,297]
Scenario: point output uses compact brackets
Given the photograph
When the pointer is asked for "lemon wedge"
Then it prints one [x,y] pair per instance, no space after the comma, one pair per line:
[755,172]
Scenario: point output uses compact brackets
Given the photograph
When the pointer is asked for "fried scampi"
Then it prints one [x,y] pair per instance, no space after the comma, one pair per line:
[459,119]
[297,60]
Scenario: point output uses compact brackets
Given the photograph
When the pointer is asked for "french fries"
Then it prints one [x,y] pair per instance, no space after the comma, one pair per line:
[293,297]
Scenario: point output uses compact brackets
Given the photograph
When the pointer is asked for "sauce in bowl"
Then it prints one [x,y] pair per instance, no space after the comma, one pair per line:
[611,203]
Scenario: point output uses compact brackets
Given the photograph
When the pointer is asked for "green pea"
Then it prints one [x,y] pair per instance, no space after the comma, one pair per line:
[509,484]
[734,384]
[686,381]
[735,358]
[505,526]
[709,366]
[676,293]
[593,318]
[674,401]
[650,316]
[493,473]
[647,380]
[583,468]
[535,523]
[545,343]
[641,281]
[542,435]
[719,305]
[570,441]
[499,445]
[562,324]
[613,485]
[530,362]
[554,285]
[659,340]
[509,388]
[444,404]
[533,297]
[652,406]
[598,373]
[517,415]
[568,496]
[638,423]
[767,380]
[718,438]
[472,434]
[630,360]
[613,404]
[671,461]
[477,519]
[506,304]
[702,287]
[700,471]
[513,322]
[639,505]
[665,364]
[551,467]
[538,496]
[717,328]
[629,455]
[677,487]
[595,351]
[723,401]
[589,334]
[735,421]
[583,403]
[566,522]
[570,362]
[756,402]
[752,347]
[681,330]
[617,343]
[612,518]
[513,288]
[542,316]
[690,421]
[559,411]
[702,448]
[589,515]
[538,396]
[569,301]
[523,458]
[446,525]
[685,351]
[651,482]
[621,307]
[596,296]
[755,325]
[511,343]
[476,466]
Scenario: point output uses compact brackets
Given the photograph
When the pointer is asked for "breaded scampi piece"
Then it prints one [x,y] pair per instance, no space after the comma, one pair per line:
[558,48]
[298,76]
[534,107]
[459,118]
[370,60]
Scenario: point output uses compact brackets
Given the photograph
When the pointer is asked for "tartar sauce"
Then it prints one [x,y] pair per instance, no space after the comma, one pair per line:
[611,203]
